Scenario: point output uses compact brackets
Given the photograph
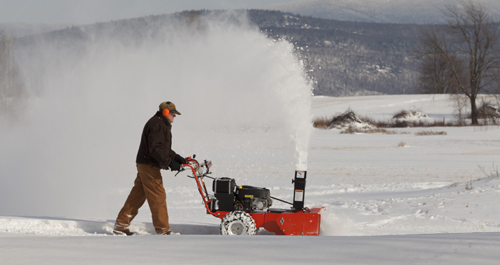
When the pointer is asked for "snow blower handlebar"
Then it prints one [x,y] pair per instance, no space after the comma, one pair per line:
[198,175]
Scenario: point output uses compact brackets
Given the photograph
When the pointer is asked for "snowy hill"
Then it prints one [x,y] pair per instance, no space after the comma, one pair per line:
[381,11]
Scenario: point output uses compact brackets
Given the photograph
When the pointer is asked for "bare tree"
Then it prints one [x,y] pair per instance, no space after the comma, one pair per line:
[460,103]
[12,90]
[5,65]
[436,76]
[472,36]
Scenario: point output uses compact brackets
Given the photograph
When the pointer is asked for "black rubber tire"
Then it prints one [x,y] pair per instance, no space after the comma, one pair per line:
[238,223]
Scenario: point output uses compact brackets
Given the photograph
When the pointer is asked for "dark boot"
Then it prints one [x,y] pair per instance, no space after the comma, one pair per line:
[123,232]
[164,233]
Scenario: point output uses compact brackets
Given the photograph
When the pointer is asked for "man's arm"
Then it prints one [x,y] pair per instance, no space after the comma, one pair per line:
[158,146]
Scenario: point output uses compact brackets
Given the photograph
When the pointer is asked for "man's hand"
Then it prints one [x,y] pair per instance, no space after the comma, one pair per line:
[179,159]
[174,166]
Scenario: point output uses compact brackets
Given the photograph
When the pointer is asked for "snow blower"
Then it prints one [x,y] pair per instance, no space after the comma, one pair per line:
[245,209]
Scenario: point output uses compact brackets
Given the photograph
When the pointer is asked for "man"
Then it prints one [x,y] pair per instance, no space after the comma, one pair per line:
[155,153]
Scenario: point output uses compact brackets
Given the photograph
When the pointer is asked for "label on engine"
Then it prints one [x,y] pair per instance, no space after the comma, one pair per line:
[299,195]
[248,196]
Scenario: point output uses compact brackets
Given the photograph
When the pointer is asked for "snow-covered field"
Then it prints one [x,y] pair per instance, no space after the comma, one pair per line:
[390,199]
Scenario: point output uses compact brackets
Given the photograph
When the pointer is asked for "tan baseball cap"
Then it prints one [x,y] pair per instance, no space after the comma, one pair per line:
[170,106]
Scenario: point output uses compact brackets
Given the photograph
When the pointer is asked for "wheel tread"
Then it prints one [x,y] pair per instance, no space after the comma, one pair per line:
[238,217]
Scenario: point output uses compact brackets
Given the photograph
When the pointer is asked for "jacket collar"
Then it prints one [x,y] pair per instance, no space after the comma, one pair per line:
[165,120]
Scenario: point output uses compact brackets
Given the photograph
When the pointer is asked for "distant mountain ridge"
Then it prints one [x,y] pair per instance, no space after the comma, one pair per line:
[341,58]
[16,30]
[348,58]
[379,11]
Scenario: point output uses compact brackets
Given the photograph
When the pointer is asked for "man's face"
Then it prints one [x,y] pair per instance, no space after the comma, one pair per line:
[171,117]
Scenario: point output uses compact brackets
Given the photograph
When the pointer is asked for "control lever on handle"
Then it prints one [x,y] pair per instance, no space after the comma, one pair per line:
[180,170]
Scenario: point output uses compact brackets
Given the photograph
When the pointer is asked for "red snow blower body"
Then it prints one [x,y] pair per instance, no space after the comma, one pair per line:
[245,209]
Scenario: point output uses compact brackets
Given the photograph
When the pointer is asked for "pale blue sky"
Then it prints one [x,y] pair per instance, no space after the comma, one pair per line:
[91,11]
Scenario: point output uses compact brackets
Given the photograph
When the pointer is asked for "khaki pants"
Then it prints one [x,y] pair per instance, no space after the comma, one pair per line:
[148,185]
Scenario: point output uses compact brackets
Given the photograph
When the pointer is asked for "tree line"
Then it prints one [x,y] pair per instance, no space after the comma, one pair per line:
[462,57]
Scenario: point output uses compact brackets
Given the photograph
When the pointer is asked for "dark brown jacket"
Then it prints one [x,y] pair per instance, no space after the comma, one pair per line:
[156,143]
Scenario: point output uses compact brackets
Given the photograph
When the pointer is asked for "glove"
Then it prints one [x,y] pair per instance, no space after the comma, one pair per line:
[179,159]
[174,166]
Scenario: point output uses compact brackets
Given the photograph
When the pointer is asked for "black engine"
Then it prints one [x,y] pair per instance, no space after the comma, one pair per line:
[230,197]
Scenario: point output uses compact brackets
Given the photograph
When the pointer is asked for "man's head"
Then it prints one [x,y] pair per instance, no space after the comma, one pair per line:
[169,111]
